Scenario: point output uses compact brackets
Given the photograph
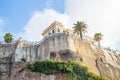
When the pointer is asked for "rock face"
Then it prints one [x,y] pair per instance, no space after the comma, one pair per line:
[19,72]
[103,62]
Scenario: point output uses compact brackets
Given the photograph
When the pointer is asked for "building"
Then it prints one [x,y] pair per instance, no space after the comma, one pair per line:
[55,38]
[55,27]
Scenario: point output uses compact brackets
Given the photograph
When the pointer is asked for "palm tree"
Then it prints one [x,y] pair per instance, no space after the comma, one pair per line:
[98,38]
[8,38]
[80,28]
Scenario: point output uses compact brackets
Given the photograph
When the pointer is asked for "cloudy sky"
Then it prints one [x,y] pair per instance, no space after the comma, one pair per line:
[28,18]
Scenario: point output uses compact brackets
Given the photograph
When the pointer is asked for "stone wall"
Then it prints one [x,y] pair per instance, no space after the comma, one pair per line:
[52,43]
[7,49]
[25,51]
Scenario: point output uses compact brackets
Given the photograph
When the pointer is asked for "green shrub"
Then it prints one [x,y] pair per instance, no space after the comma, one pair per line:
[74,70]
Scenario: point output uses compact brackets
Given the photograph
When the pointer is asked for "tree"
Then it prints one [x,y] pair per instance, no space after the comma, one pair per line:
[8,38]
[80,28]
[98,38]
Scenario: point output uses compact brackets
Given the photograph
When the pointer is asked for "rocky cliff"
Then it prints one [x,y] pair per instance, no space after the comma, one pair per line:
[103,62]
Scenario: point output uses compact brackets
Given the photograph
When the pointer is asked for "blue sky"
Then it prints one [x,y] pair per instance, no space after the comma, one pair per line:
[28,18]
[16,13]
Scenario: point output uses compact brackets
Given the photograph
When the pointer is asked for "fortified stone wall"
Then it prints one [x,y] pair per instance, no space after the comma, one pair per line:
[56,42]
[24,51]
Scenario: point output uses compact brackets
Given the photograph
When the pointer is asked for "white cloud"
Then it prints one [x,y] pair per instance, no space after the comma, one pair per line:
[39,21]
[100,15]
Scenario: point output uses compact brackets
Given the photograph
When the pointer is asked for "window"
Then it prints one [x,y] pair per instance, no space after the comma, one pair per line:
[53,31]
[58,30]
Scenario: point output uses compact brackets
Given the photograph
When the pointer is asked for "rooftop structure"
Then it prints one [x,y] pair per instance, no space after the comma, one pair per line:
[57,27]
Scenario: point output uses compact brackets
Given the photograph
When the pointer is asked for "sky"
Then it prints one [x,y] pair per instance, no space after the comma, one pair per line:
[28,18]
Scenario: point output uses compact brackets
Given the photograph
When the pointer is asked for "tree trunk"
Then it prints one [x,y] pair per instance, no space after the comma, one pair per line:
[81,37]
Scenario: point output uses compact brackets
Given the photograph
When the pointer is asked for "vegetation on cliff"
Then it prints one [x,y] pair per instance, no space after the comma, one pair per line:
[74,70]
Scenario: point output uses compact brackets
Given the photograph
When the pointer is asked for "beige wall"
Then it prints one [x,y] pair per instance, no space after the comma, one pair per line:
[43,50]
[71,42]
[55,30]
[54,26]
[58,43]
[24,50]
[52,43]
